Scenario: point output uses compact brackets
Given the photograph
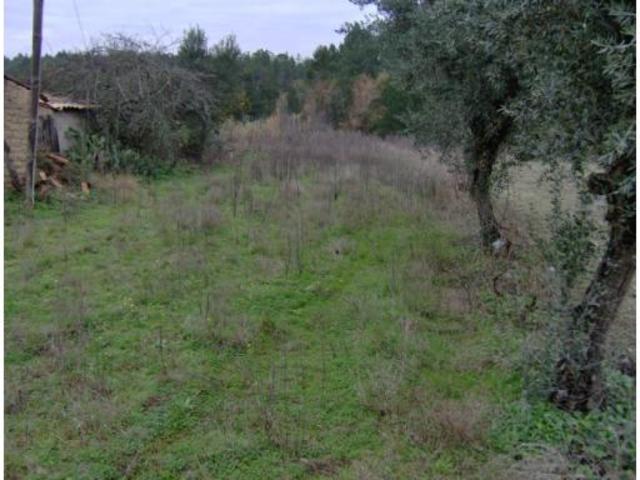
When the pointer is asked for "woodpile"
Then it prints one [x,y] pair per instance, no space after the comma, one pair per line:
[55,172]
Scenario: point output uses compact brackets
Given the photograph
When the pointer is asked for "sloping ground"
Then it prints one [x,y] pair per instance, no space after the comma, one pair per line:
[163,338]
[309,309]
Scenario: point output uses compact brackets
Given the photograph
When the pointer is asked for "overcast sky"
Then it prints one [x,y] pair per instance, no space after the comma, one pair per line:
[294,26]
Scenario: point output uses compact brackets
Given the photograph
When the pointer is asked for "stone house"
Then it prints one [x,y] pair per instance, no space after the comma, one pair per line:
[55,114]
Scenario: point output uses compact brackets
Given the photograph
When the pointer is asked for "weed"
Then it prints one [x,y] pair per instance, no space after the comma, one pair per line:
[442,424]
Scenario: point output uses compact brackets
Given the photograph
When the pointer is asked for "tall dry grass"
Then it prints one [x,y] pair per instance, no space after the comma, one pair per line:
[287,148]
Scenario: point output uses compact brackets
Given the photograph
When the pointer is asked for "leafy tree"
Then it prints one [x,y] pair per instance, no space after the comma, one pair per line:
[340,67]
[394,102]
[359,52]
[294,99]
[18,66]
[324,63]
[193,50]
[580,70]
[226,65]
[260,77]
[443,53]
[558,80]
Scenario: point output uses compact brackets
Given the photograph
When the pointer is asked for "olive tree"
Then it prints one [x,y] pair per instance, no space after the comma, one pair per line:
[580,72]
[557,81]
[444,53]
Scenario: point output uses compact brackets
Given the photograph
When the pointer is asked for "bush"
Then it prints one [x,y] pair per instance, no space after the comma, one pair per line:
[92,152]
[600,444]
[151,110]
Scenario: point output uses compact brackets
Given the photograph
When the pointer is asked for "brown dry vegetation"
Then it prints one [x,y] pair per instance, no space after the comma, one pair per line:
[288,148]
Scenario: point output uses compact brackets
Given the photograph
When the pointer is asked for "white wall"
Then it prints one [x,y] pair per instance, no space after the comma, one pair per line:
[65,120]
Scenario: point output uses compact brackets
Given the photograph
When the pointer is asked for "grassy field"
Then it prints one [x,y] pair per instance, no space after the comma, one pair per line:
[286,314]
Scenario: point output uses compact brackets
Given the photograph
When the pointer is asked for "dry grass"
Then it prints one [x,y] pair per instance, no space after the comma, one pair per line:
[449,423]
[120,188]
[217,326]
[540,463]
[381,388]
[286,148]
[24,236]
[179,213]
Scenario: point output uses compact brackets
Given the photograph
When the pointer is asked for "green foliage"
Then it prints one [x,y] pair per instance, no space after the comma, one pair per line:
[600,444]
[357,55]
[324,63]
[446,55]
[395,103]
[193,49]
[571,247]
[145,100]
[187,94]
[265,77]
[359,52]
[295,99]
[339,102]
[85,150]
[579,65]
[561,76]
[92,152]
[18,67]
[242,85]
[248,85]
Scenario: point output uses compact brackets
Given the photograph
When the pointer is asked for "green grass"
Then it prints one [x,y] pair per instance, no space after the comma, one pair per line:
[245,348]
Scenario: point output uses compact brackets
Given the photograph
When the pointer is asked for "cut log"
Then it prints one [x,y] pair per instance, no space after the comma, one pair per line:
[42,175]
[43,191]
[54,181]
[54,169]
[86,188]
[59,159]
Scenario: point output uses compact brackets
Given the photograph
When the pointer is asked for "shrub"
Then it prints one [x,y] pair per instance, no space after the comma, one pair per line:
[148,104]
[449,424]
[91,152]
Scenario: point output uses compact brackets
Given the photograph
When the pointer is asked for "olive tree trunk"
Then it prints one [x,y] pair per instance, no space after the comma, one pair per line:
[488,138]
[579,381]
[482,161]
[489,132]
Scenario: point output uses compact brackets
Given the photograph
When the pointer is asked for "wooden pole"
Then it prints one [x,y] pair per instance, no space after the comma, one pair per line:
[35,97]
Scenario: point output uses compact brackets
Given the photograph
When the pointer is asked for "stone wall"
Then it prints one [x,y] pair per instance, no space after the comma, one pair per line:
[17,102]
[16,125]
